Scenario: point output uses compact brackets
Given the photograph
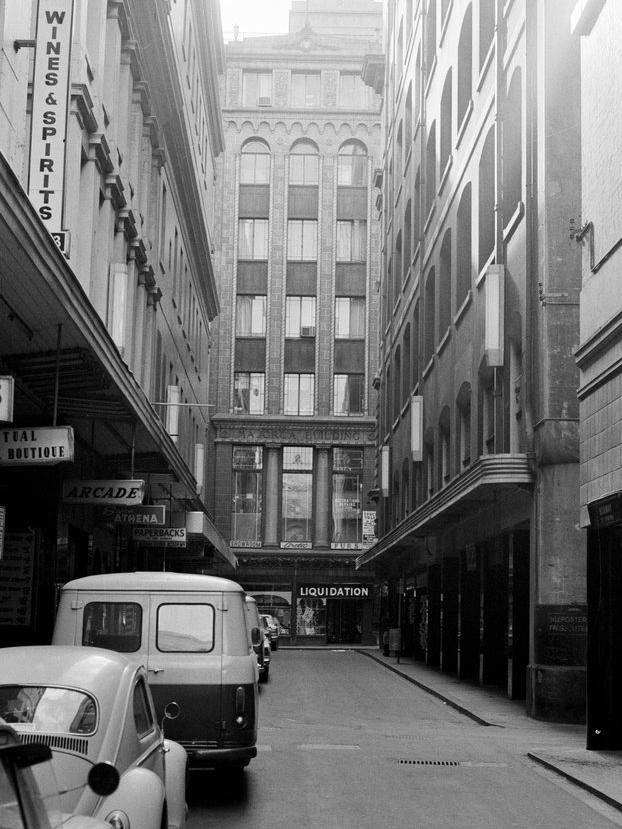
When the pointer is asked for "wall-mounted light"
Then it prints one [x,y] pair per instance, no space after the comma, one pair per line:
[385,455]
[173,399]
[199,465]
[494,303]
[416,427]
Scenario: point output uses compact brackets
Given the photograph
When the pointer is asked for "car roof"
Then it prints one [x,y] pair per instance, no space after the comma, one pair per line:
[90,669]
[162,581]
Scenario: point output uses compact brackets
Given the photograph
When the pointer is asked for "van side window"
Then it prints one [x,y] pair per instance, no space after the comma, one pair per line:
[143,718]
[185,628]
[113,625]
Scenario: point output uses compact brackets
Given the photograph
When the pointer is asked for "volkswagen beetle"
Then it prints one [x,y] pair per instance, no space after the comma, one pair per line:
[91,707]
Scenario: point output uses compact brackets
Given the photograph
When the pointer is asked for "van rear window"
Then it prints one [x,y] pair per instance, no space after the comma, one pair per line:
[113,625]
[185,628]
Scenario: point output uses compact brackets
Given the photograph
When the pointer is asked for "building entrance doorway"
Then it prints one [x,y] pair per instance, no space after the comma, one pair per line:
[344,621]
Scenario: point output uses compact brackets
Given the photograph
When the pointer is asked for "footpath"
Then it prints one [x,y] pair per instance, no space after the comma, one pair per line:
[556,746]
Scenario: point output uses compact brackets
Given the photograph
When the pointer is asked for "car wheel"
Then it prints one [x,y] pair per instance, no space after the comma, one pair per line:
[274,646]
[263,677]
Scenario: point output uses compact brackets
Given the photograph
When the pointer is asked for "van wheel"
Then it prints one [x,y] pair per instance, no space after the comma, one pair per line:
[164,818]
[264,676]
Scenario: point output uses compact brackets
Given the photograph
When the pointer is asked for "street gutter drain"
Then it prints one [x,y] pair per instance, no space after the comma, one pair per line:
[428,763]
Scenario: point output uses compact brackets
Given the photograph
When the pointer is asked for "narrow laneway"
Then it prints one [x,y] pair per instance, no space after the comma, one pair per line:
[345,743]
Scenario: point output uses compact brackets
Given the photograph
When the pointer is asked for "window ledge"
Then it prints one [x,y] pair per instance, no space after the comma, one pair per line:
[462,310]
[465,120]
[445,174]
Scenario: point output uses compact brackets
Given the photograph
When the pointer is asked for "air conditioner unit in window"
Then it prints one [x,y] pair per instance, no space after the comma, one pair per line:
[264,101]
[307,331]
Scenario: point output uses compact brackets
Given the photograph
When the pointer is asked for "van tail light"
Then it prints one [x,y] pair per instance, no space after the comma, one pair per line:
[240,706]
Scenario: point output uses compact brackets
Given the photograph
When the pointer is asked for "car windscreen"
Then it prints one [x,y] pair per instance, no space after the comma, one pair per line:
[50,709]
[113,625]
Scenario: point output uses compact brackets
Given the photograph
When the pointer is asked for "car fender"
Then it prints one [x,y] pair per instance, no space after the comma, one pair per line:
[84,822]
[176,761]
[140,795]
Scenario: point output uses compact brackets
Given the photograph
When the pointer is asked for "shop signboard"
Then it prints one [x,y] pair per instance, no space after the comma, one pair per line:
[104,493]
[369,527]
[160,536]
[16,579]
[150,515]
[7,395]
[333,591]
[36,445]
[50,108]
[2,523]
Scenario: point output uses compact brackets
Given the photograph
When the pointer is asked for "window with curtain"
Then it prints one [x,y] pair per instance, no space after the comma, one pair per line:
[349,318]
[256,88]
[348,393]
[298,393]
[300,316]
[248,392]
[255,163]
[305,89]
[304,163]
[352,165]
[253,239]
[302,240]
[352,240]
[250,316]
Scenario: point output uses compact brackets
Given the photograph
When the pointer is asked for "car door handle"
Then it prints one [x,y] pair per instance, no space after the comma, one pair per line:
[155,670]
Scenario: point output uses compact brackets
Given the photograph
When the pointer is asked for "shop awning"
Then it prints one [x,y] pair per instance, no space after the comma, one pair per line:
[489,478]
[47,323]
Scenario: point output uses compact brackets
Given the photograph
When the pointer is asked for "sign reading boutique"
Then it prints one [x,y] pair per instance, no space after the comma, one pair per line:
[36,446]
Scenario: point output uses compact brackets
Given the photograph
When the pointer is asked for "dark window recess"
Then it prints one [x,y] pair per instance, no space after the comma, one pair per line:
[351,279]
[302,202]
[352,202]
[252,278]
[254,201]
[250,355]
[299,356]
[349,357]
[301,278]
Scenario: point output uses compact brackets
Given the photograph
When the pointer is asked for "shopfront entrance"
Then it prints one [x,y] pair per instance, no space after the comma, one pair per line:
[344,622]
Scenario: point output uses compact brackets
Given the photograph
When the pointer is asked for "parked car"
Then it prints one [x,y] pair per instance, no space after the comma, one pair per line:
[29,794]
[273,629]
[92,706]
[258,638]
[190,633]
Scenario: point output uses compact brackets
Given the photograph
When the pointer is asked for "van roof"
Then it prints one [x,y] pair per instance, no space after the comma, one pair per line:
[154,581]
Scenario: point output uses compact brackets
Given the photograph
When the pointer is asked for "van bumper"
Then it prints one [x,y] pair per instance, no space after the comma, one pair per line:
[211,757]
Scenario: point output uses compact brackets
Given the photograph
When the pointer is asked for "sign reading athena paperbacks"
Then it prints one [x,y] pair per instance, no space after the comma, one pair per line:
[50,106]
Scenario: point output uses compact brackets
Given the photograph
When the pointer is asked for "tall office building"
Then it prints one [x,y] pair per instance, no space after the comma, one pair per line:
[479,538]
[295,348]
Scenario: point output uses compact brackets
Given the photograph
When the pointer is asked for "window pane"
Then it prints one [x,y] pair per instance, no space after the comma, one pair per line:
[342,317]
[294,239]
[255,405]
[247,169]
[297,506]
[55,710]
[359,241]
[296,169]
[313,91]
[241,388]
[290,394]
[309,240]
[247,506]
[260,247]
[306,393]
[142,711]
[243,316]
[298,458]
[357,318]
[245,243]
[265,85]
[359,171]
[344,241]
[249,88]
[307,311]
[292,316]
[339,394]
[258,319]
[298,90]
[113,625]
[347,514]
[185,628]
[312,169]
[344,170]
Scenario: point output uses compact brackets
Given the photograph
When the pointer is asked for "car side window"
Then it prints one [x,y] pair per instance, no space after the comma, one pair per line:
[185,628]
[143,717]
[113,625]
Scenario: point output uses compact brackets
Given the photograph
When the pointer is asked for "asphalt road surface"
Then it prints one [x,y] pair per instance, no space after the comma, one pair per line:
[346,744]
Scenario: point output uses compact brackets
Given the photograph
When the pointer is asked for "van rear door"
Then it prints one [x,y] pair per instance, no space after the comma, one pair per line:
[185,664]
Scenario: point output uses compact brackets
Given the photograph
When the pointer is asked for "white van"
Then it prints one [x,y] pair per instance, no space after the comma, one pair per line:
[190,632]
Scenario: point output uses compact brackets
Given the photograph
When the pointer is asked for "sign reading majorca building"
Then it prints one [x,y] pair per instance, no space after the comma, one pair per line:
[50,105]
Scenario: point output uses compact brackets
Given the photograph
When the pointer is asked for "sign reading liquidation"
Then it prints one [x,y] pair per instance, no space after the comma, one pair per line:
[327,591]
[50,106]
[38,446]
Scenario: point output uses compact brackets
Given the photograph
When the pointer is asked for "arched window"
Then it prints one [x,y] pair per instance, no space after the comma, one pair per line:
[352,164]
[430,34]
[444,285]
[463,411]
[304,163]
[512,155]
[406,378]
[463,247]
[446,124]
[428,317]
[486,206]
[465,66]
[255,162]
[486,28]
[430,170]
